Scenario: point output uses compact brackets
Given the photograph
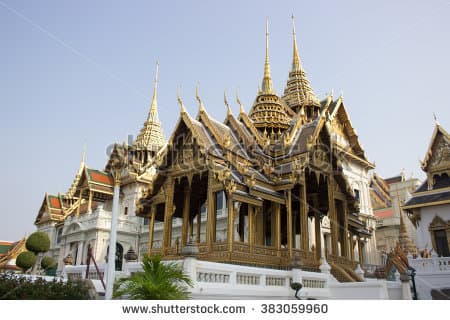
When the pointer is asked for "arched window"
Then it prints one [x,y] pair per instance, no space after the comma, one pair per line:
[438,231]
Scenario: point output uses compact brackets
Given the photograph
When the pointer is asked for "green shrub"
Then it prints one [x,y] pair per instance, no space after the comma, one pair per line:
[26,260]
[38,242]
[16,287]
[48,263]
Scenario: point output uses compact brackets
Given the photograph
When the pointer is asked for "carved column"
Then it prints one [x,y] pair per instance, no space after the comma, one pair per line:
[334,225]
[318,235]
[230,222]
[345,244]
[211,211]
[186,207]
[80,194]
[167,235]
[289,222]
[251,227]
[199,224]
[90,201]
[151,228]
[304,218]
[277,235]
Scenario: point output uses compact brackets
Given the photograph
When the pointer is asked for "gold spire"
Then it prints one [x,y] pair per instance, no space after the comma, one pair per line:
[151,135]
[298,90]
[296,65]
[266,86]
[201,107]
[229,112]
[154,107]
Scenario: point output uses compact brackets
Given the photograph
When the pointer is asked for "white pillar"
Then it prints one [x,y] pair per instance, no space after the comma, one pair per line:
[110,272]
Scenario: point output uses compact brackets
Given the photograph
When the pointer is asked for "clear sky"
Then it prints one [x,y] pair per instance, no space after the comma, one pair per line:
[81,72]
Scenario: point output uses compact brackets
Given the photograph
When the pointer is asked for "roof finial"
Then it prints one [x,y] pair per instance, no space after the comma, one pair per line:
[296,65]
[201,107]
[180,102]
[229,112]
[267,80]
[435,119]
[154,107]
[241,107]
[83,156]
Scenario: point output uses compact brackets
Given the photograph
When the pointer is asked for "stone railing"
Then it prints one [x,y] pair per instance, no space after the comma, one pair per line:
[79,272]
[432,265]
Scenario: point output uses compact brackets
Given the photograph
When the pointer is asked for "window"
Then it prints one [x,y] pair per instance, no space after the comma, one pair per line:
[59,235]
[356,194]
[440,238]
[125,211]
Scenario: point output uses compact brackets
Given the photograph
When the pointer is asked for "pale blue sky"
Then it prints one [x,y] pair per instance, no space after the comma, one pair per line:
[75,72]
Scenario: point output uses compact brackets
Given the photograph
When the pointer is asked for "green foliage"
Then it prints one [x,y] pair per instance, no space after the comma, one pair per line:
[38,242]
[158,281]
[25,260]
[16,287]
[48,263]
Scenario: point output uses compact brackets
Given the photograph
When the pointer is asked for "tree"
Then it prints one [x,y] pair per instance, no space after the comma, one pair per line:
[38,243]
[25,260]
[48,263]
[157,281]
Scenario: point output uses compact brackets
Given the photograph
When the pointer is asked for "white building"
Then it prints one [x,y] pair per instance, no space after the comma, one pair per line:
[429,210]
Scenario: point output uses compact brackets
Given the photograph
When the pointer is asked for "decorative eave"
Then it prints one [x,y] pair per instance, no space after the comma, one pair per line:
[438,130]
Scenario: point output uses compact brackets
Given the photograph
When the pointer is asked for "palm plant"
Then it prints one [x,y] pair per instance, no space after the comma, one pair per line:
[157,281]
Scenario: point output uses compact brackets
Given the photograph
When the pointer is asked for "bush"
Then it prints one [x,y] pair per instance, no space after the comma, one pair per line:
[26,260]
[16,287]
[48,263]
[38,242]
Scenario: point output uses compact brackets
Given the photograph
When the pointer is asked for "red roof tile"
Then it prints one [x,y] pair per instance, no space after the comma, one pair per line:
[55,203]
[384,213]
[101,178]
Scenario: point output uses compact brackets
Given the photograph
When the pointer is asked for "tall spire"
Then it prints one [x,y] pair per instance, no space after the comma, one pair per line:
[298,90]
[154,107]
[266,86]
[296,65]
[151,136]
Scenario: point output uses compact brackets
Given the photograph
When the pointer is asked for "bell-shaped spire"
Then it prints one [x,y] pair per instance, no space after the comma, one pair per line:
[151,136]
[266,86]
[298,91]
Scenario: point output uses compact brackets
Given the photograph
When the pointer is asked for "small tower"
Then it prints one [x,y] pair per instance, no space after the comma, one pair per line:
[269,113]
[298,93]
[151,137]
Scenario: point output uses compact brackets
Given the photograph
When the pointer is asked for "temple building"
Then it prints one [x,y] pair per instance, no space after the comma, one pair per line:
[286,184]
[81,217]
[429,205]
